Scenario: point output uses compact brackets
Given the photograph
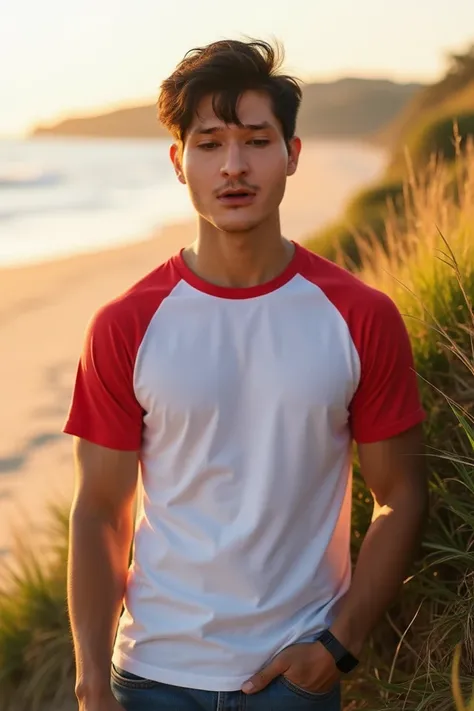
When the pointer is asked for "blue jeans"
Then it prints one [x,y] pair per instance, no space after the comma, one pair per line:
[137,694]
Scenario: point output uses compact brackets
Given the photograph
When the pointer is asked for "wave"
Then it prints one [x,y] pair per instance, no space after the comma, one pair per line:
[25,176]
[72,207]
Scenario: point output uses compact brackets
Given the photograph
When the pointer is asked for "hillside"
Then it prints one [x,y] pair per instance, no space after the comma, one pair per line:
[352,107]
[347,108]
[453,93]
[133,122]
[425,127]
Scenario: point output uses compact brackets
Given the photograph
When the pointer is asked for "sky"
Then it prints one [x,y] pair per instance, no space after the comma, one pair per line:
[60,58]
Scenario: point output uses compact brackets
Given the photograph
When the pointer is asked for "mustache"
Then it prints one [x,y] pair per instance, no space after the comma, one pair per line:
[236,186]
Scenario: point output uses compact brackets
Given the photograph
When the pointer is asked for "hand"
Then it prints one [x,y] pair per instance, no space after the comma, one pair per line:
[309,666]
[105,702]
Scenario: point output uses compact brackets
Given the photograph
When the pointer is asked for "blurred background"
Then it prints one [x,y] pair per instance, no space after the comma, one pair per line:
[83,161]
[89,203]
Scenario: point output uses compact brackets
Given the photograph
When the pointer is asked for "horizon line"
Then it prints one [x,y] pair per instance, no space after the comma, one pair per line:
[132,103]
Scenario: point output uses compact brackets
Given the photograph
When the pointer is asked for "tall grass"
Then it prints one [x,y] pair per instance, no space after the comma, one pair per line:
[36,662]
[427,267]
[457,690]
[428,270]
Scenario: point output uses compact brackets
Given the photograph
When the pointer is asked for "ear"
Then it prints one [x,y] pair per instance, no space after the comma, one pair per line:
[293,155]
[176,155]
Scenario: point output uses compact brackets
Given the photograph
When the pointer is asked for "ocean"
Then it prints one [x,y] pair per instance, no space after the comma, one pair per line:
[64,196]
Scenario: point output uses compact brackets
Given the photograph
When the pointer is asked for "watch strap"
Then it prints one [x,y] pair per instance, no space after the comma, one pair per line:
[345,661]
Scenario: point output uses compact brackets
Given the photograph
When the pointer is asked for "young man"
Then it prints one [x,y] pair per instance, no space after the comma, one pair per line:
[237,375]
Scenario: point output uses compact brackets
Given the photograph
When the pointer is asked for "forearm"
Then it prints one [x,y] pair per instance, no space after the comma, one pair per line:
[384,561]
[97,573]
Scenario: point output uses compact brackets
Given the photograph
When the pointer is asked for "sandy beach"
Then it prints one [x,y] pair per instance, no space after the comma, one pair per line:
[44,310]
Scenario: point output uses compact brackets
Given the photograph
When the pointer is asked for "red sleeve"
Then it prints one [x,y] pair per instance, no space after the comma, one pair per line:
[387,400]
[104,409]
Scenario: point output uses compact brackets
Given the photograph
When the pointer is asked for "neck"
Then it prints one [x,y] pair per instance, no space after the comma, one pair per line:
[239,260]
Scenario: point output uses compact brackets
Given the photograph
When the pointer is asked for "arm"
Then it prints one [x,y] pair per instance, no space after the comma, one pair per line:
[394,471]
[101,529]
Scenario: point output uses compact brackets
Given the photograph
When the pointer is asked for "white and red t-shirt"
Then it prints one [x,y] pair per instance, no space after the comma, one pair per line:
[243,404]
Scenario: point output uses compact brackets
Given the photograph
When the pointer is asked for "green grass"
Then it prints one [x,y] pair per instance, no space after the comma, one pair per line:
[458,694]
[450,96]
[375,200]
[428,270]
[438,608]
[380,211]
[434,135]
[36,663]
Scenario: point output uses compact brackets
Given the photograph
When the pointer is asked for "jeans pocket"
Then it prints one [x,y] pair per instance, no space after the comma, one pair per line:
[314,695]
[128,680]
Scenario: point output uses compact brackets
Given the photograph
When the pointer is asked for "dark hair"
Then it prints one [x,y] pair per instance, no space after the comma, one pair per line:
[225,70]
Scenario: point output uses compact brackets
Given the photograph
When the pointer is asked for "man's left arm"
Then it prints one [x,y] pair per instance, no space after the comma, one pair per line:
[394,471]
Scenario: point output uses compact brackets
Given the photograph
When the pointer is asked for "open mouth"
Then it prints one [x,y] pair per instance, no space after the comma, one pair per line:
[237,197]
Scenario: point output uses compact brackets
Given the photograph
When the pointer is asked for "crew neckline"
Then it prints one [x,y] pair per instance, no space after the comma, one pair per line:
[244,292]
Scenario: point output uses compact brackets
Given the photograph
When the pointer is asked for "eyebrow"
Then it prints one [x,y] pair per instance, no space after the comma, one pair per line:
[247,126]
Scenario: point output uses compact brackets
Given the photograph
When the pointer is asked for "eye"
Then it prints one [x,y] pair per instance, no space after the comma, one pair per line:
[208,146]
[259,142]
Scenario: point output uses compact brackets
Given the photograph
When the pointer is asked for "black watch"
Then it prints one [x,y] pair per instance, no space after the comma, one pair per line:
[345,661]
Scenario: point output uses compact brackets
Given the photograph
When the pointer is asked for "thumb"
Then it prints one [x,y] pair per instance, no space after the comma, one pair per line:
[279,665]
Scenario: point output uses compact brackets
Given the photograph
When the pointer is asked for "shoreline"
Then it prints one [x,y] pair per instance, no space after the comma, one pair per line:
[332,163]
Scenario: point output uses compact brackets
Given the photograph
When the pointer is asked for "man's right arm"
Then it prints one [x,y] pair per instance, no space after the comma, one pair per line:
[101,530]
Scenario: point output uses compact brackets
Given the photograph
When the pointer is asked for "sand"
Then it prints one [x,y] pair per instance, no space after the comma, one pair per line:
[44,310]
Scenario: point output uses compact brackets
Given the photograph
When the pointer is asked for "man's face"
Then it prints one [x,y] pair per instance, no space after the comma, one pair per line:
[236,175]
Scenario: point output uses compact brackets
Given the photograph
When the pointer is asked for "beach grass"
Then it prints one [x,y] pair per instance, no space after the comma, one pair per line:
[427,268]
[372,216]
[36,661]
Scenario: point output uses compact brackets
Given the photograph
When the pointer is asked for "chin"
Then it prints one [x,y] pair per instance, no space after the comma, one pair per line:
[237,225]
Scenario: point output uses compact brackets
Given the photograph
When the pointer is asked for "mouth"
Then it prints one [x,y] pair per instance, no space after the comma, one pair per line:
[237,198]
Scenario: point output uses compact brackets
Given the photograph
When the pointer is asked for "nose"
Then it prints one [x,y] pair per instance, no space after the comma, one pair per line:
[235,163]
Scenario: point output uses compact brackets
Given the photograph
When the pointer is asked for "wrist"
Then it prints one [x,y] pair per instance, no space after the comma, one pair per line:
[93,690]
[351,638]
[345,661]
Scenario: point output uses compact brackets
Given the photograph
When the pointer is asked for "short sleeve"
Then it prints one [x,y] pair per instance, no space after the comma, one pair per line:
[387,400]
[104,409]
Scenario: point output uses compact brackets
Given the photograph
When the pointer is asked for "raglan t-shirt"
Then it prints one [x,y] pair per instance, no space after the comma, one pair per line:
[243,404]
